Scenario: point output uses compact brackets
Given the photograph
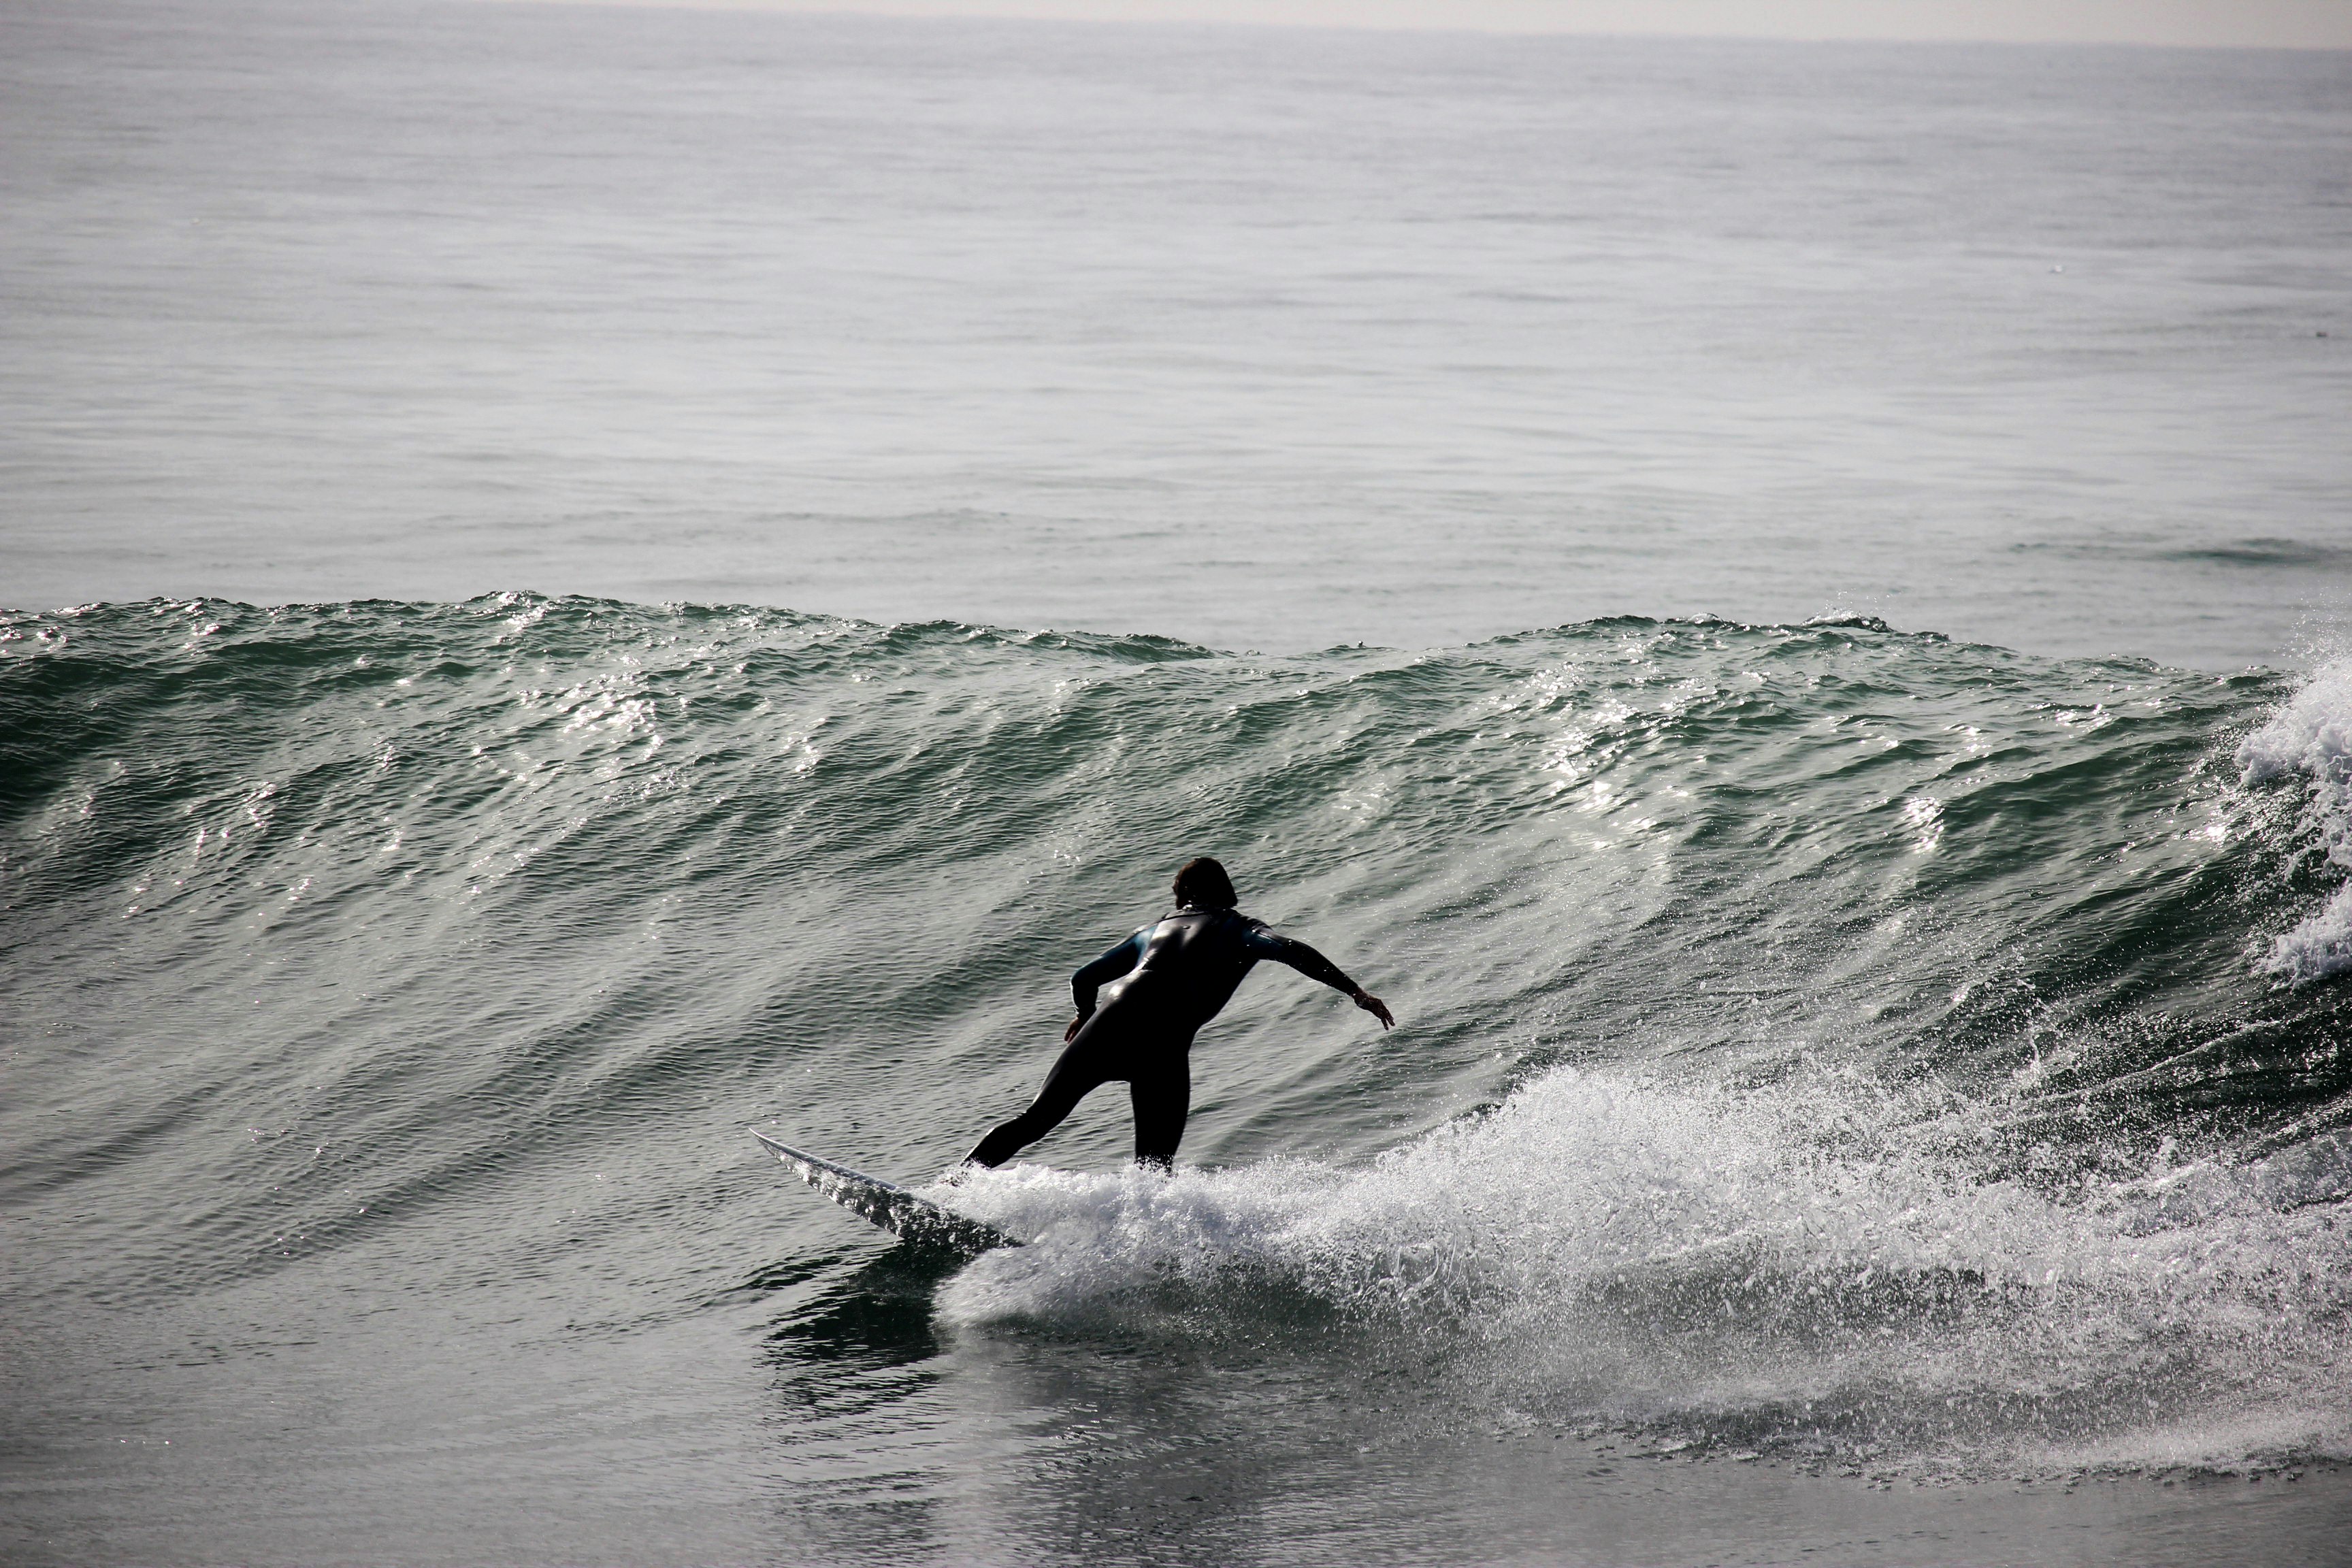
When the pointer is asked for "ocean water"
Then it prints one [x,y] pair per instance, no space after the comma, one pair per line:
[1258,338]
[588,580]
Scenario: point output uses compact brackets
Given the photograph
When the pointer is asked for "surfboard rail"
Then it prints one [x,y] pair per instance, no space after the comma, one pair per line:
[884,1204]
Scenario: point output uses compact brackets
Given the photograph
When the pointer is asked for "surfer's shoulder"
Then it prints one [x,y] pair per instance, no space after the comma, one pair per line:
[1256,933]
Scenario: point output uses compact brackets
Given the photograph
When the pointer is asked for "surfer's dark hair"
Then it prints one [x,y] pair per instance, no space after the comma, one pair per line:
[1204,885]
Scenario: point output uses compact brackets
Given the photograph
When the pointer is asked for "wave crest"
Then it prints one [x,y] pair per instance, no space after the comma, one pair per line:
[2311,736]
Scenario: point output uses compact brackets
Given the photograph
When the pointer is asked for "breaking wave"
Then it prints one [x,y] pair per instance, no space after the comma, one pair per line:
[1819,1040]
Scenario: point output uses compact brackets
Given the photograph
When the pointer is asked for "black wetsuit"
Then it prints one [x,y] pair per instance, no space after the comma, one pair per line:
[1165,982]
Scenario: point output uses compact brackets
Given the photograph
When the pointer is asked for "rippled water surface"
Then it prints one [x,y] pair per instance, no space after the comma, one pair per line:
[1259,338]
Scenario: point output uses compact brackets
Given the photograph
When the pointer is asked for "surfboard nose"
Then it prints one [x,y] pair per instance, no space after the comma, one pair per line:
[887,1205]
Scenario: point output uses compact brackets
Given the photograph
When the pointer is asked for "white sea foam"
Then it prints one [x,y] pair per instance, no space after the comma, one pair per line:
[1740,1270]
[2312,735]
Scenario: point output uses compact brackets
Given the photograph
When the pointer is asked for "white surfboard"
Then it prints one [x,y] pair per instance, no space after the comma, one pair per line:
[894,1208]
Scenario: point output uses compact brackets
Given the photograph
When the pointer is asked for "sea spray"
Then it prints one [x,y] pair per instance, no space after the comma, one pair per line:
[2310,738]
[1712,1269]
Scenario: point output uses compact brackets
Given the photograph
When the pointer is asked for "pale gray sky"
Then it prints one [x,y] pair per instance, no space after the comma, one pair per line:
[2294,24]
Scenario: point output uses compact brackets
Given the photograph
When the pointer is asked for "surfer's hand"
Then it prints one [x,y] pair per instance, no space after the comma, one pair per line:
[1376,1007]
[1075,1024]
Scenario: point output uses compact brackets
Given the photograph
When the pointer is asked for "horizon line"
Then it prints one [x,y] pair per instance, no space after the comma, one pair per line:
[2302,26]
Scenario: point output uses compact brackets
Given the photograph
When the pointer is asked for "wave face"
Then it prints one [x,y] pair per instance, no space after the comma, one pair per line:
[1818,1041]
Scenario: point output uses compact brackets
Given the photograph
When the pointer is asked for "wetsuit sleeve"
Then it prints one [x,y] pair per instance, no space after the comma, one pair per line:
[1106,968]
[1260,942]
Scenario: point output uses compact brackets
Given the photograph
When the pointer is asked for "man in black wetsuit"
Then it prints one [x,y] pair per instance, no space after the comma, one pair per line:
[1164,982]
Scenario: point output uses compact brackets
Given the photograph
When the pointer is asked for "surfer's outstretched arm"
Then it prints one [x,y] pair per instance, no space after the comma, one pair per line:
[1264,944]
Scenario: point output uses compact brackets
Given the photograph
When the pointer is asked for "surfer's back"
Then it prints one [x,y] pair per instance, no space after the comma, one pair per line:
[1190,963]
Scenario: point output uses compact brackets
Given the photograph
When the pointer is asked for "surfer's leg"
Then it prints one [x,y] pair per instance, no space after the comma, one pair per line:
[1163,1096]
[1075,1074]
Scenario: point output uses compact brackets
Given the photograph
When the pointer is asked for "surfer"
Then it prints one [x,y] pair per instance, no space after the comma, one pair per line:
[1162,983]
